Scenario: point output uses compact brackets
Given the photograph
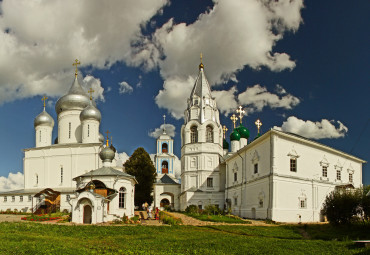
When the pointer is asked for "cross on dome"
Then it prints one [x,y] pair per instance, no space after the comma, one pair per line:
[76,63]
[241,112]
[164,124]
[234,119]
[44,99]
[107,132]
[225,130]
[258,124]
[201,61]
[90,91]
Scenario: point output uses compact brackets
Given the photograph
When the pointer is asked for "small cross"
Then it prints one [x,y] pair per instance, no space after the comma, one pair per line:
[90,92]
[201,57]
[241,113]
[44,99]
[258,124]
[76,63]
[107,137]
[111,140]
[234,119]
[225,130]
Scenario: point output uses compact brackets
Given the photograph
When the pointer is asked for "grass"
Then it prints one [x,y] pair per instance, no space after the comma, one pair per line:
[218,218]
[33,238]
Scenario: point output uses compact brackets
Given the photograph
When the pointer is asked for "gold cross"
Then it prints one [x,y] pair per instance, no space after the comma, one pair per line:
[201,64]
[76,63]
[258,124]
[225,130]
[44,99]
[241,113]
[107,137]
[234,119]
[90,92]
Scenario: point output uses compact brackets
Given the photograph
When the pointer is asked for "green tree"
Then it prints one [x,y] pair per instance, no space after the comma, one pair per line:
[365,202]
[141,166]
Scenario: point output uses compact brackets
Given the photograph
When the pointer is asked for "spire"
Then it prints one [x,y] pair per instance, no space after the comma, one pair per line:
[201,87]
[76,63]
[164,124]
[201,66]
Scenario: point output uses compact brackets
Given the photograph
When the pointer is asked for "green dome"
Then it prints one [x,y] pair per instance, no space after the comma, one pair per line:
[235,136]
[243,131]
[225,145]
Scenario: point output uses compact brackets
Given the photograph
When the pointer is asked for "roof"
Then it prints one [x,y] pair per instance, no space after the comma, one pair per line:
[201,87]
[106,171]
[166,180]
[34,191]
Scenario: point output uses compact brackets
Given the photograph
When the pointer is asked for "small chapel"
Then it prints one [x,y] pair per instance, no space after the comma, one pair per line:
[276,175]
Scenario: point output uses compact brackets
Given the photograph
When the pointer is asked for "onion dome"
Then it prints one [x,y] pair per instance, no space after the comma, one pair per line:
[75,99]
[107,154]
[101,138]
[243,131]
[235,136]
[225,145]
[90,113]
[112,147]
[43,119]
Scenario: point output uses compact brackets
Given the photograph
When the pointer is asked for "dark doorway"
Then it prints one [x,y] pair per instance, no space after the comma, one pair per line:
[87,214]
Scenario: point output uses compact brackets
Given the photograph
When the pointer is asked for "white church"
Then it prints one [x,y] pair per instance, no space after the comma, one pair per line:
[277,175]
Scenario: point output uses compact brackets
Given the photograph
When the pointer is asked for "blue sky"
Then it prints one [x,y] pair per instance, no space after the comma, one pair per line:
[300,66]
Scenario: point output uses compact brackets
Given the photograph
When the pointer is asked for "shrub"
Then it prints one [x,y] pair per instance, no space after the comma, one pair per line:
[135,219]
[341,207]
[365,203]
[192,209]
[212,209]
[169,219]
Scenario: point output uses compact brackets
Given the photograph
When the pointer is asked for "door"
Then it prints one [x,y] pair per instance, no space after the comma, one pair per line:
[87,214]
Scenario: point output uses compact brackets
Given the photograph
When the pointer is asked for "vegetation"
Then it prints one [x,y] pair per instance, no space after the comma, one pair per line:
[30,238]
[168,218]
[141,166]
[347,206]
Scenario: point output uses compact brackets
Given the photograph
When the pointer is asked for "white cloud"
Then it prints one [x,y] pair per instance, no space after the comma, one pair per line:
[314,130]
[257,97]
[124,88]
[225,99]
[94,83]
[44,37]
[232,35]
[170,130]
[121,158]
[12,182]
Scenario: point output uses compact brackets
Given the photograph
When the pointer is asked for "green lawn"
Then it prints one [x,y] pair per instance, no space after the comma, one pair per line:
[35,238]
[218,218]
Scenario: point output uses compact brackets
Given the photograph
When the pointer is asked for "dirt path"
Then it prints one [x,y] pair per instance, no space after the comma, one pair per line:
[187,220]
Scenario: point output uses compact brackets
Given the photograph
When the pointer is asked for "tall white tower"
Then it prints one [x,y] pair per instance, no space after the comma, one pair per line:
[43,124]
[201,181]
[90,120]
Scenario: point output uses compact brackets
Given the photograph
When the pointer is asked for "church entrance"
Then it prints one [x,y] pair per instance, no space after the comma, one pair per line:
[87,214]
[165,202]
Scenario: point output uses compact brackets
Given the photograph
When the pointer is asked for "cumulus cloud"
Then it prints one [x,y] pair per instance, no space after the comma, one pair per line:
[39,40]
[254,99]
[314,130]
[124,88]
[12,182]
[170,130]
[121,158]
[91,82]
[232,35]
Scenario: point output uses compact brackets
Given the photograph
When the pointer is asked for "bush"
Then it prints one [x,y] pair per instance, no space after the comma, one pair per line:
[365,203]
[342,207]
[169,219]
[212,209]
[192,209]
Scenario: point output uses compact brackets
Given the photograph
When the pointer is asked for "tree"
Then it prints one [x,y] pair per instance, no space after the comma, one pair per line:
[141,166]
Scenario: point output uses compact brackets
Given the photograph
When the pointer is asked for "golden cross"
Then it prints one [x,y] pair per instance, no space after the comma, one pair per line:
[90,92]
[234,119]
[225,130]
[107,137]
[241,113]
[44,99]
[258,124]
[111,140]
[201,64]
[76,63]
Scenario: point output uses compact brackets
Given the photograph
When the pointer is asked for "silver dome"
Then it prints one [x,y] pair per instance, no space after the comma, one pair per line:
[101,138]
[75,99]
[43,119]
[107,154]
[90,112]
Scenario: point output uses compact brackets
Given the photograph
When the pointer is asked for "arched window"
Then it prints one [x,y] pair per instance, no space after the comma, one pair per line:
[193,134]
[121,198]
[164,148]
[209,134]
[164,167]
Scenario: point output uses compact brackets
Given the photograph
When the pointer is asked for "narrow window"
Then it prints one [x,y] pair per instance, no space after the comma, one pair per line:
[256,168]
[20,198]
[324,171]
[209,182]
[40,136]
[293,165]
[303,203]
[193,134]
[235,200]
[164,148]
[339,175]
[209,134]
[69,130]
[350,177]
[121,199]
[13,198]
[200,207]
[261,203]
[235,176]
[61,174]
[5,199]
[164,167]
[68,197]
[37,179]
[88,130]
[29,198]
